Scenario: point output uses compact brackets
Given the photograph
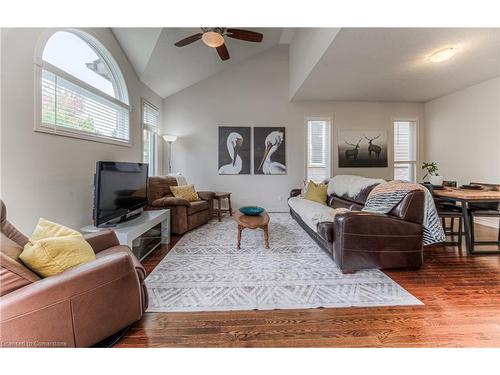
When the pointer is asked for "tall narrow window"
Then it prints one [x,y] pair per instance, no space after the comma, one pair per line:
[405,150]
[150,125]
[82,92]
[318,150]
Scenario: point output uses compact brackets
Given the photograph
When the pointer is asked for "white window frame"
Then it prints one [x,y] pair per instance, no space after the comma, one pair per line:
[152,170]
[328,165]
[101,50]
[417,154]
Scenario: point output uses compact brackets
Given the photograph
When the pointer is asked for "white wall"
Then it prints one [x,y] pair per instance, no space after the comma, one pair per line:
[48,175]
[463,133]
[255,93]
[306,49]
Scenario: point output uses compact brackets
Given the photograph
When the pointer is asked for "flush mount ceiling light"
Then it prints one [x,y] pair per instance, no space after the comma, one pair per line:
[212,39]
[443,55]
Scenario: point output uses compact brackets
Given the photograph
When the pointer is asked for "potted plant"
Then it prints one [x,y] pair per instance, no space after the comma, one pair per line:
[431,169]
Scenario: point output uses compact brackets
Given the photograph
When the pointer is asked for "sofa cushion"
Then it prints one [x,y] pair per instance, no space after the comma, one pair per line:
[316,192]
[186,192]
[309,211]
[197,207]
[54,248]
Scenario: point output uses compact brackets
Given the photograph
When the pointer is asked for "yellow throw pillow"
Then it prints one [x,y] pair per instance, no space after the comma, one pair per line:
[54,248]
[316,192]
[185,191]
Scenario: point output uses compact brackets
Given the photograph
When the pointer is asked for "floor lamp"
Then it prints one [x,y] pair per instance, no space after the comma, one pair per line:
[170,139]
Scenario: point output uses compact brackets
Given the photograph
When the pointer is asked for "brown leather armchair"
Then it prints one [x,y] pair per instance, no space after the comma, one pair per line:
[77,308]
[184,215]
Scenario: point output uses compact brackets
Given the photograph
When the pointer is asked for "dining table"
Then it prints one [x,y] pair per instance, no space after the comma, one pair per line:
[465,197]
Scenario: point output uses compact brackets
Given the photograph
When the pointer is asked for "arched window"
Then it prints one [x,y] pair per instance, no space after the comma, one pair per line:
[82,91]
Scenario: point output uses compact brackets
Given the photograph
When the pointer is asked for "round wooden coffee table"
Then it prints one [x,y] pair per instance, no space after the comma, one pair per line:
[252,222]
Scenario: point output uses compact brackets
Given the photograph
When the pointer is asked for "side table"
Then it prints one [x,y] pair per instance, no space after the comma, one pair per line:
[218,211]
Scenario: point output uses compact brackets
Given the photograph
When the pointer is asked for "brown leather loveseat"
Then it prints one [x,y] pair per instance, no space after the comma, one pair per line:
[184,215]
[361,240]
[77,308]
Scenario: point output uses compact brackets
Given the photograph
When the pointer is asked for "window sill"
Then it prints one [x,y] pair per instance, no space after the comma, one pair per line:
[83,136]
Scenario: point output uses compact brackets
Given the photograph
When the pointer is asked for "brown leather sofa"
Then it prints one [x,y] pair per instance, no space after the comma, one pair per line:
[77,308]
[362,240]
[184,215]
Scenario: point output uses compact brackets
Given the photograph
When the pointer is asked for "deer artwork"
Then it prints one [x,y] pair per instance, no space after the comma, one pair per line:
[352,152]
[373,148]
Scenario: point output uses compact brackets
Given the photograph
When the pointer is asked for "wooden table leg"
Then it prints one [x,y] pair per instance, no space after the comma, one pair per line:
[240,229]
[266,237]
[218,208]
[229,203]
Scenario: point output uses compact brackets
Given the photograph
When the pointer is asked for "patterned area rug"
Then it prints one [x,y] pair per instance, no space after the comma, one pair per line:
[205,272]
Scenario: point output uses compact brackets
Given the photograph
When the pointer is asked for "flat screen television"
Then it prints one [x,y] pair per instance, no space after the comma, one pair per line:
[119,189]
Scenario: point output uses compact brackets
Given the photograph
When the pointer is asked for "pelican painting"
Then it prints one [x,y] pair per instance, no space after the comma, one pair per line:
[234,150]
[269,150]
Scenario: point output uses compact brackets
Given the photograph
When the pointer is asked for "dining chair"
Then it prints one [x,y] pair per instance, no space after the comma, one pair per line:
[448,210]
[484,209]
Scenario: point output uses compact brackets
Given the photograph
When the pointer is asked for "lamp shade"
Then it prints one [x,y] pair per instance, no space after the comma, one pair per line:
[170,138]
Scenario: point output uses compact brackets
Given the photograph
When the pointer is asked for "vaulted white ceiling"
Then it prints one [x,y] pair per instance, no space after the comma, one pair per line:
[392,64]
[358,64]
[167,69]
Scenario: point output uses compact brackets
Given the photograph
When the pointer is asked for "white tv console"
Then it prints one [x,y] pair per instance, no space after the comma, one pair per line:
[142,234]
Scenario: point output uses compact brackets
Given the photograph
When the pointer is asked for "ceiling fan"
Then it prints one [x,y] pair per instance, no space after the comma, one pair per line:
[214,37]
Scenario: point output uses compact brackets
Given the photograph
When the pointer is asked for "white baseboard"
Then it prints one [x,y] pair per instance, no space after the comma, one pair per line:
[488,221]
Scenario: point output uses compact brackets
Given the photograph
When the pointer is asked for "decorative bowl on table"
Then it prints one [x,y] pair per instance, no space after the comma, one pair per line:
[251,210]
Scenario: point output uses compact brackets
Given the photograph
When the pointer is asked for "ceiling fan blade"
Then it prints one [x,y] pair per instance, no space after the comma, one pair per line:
[247,35]
[188,40]
[223,52]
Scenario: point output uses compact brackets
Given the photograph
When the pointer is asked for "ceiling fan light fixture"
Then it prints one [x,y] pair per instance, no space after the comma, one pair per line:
[212,39]
[443,55]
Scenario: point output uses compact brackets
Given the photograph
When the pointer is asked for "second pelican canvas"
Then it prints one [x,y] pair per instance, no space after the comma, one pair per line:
[234,150]
[269,150]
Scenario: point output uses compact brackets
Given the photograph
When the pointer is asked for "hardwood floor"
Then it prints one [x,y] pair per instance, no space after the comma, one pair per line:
[461,296]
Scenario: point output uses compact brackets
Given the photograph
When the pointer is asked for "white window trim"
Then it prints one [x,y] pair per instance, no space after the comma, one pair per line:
[311,164]
[306,147]
[40,65]
[156,168]
[415,162]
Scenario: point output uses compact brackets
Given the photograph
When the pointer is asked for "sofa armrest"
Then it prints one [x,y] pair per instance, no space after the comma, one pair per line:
[170,201]
[367,223]
[206,195]
[295,192]
[362,239]
[102,240]
[55,289]
[63,309]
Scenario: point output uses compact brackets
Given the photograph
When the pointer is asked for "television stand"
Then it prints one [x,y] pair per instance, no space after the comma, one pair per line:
[122,219]
[143,233]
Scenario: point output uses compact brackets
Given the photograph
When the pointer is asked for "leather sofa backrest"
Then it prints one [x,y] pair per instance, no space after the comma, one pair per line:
[411,207]
[159,187]
[9,230]
[346,200]
[13,273]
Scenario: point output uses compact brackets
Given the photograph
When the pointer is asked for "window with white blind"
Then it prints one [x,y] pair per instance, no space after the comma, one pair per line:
[405,150]
[150,126]
[318,149]
[82,92]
